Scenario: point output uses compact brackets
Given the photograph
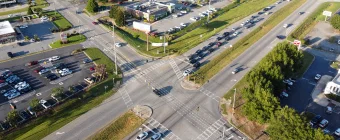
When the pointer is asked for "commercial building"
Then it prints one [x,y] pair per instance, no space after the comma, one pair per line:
[333,87]
[7,33]
[151,11]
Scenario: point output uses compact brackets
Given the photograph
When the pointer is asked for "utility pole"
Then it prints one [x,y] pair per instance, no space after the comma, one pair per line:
[164,43]
[234,102]
[147,41]
[114,49]
[208,12]
[113,82]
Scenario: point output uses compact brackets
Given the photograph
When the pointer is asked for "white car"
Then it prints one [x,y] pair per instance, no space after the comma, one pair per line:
[43,71]
[63,70]
[45,104]
[242,24]
[337,132]
[23,87]
[284,94]
[235,33]
[183,25]
[178,27]
[20,84]
[285,25]
[288,82]
[317,77]
[323,123]
[10,15]
[118,45]
[142,136]
[13,95]
[179,14]
[54,58]
[213,9]
[23,26]
[201,15]
[187,72]
[156,136]
[66,73]
[184,12]
[193,19]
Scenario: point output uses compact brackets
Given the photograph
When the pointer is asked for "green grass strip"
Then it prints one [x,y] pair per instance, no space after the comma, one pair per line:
[226,57]
[76,39]
[40,4]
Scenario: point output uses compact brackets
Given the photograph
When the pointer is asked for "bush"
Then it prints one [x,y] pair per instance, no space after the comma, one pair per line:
[76,51]
[335,21]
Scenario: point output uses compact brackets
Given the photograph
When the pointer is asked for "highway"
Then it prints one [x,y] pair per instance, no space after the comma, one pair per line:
[185,114]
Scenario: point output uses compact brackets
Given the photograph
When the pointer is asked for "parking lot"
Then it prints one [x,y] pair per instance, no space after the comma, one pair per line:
[40,85]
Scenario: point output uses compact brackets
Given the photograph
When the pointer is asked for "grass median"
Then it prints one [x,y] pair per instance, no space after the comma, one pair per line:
[119,128]
[39,4]
[71,109]
[76,39]
[304,28]
[226,57]
[61,22]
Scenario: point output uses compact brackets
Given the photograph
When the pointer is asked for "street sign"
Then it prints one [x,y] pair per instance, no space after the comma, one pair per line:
[327,13]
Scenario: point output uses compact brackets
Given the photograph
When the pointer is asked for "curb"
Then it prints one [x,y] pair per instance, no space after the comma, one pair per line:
[188,88]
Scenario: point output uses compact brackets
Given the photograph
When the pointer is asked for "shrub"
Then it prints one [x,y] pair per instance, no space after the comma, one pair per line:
[335,21]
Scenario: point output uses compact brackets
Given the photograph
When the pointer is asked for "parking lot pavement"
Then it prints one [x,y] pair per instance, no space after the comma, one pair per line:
[35,27]
[170,21]
[41,87]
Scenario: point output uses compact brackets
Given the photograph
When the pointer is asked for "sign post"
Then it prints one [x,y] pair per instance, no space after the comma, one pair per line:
[327,14]
[297,43]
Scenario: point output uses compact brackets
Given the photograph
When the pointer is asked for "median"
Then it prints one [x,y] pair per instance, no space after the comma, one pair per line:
[73,38]
[226,57]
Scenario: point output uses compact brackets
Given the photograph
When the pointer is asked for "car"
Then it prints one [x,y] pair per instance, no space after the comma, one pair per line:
[53,58]
[198,51]
[323,123]
[10,54]
[59,66]
[49,75]
[183,25]
[13,95]
[205,48]
[3,84]
[260,13]
[194,18]
[211,50]
[206,53]
[317,77]
[156,136]
[53,77]
[179,14]
[171,30]
[92,69]
[45,104]
[25,90]
[285,25]
[316,120]
[32,63]
[6,73]
[184,12]
[190,57]
[219,38]
[95,23]
[38,69]
[23,26]
[66,73]
[235,33]
[26,86]
[226,33]
[197,64]
[63,70]
[249,25]
[236,70]
[20,84]
[87,60]
[284,94]
[43,71]
[280,36]
[89,80]
[286,81]
[4,125]
[213,9]
[337,132]
[25,115]
[178,27]
[187,72]
[243,23]
[201,15]
[329,110]
[201,55]
[301,13]
[233,29]
[192,61]
[218,44]
[142,136]
[292,79]
[326,132]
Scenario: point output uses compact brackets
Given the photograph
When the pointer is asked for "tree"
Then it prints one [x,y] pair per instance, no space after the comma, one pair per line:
[113,11]
[36,38]
[92,6]
[57,91]
[38,9]
[335,21]
[119,20]
[29,2]
[12,117]
[27,38]
[34,103]
[29,11]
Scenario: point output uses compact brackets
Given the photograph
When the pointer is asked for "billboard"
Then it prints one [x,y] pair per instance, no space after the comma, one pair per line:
[327,13]
[159,44]
[141,26]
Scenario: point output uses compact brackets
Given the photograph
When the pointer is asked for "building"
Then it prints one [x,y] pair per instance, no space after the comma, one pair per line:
[7,33]
[4,3]
[333,87]
[151,11]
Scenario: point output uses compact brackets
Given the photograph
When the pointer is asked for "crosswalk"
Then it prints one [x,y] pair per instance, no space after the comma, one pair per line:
[126,97]
[211,129]
[177,71]
[210,94]
[152,125]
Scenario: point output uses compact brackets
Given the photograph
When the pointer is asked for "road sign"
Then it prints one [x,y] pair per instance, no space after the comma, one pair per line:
[327,13]
[297,43]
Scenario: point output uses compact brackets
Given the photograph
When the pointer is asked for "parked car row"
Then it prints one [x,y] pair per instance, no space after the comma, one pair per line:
[319,122]
[12,86]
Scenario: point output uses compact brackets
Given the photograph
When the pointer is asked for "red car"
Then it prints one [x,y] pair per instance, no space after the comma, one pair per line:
[218,44]
[38,69]
[32,63]
[91,68]
[94,23]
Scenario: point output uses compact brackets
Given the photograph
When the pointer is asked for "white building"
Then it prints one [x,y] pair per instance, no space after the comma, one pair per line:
[333,87]
[7,33]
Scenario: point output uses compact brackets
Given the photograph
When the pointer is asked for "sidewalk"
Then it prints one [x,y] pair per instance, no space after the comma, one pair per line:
[317,94]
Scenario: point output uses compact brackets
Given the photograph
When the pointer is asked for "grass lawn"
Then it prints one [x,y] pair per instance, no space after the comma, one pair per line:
[227,56]
[119,128]
[71,109]
[99,59]
[71,40]
[40,4]
[304,28]
[61,22]
[307,61]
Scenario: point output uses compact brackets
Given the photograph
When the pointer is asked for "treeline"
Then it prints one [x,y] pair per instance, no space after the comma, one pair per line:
[264,86]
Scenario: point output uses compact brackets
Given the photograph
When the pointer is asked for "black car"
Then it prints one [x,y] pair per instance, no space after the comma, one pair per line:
[20,43]
[10,54]
[205,48]
[281,37]
[197,64]
[316,120]
[4,125]
[249,25]
[60,66]
[219,38]
[211,50]
[254,17]
[54,77]
[198,51]
[25,115]
[227,38]
[192,56]
[206,53]
[26,90]
[157,92]
[201,55]
[192,61]
[260,13]
[49,75]
[300,13]
[226,33]
[211,44]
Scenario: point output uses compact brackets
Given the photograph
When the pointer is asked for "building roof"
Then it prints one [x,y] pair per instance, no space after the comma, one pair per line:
[336,79]
[6,28]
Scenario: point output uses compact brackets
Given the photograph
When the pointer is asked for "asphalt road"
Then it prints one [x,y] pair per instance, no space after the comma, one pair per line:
[177,110]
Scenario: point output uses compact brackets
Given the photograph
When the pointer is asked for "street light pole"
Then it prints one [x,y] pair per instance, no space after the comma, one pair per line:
[147,41]
[114,49]
[208,12]
[234,102]
[164,43]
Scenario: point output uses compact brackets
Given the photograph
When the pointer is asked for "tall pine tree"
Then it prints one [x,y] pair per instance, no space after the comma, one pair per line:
[92,6]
